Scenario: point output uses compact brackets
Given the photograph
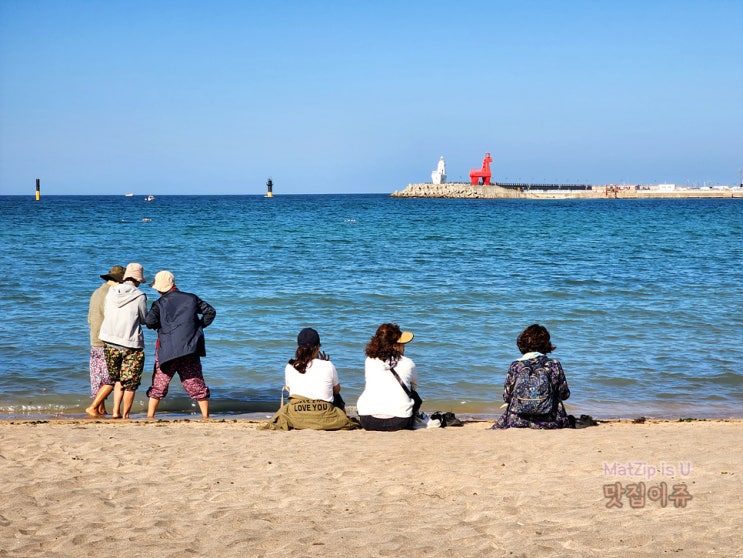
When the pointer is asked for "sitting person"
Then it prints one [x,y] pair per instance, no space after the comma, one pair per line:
[389,401]
[314,390]
[535,385]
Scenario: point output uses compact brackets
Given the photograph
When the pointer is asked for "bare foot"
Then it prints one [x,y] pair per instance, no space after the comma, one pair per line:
[92,412]
[102,410]
[115,416]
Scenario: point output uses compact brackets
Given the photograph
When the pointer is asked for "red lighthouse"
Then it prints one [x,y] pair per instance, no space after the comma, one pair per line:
[484,172]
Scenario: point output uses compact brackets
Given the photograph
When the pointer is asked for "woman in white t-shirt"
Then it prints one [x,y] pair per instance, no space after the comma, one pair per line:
[385,404]
[314,391]
[310,374]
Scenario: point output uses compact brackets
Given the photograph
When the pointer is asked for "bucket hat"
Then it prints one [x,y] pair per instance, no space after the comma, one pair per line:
[134,271]
[164,281]
[115,274]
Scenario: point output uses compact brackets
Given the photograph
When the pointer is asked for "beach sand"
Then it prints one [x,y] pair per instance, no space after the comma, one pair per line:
[226,488]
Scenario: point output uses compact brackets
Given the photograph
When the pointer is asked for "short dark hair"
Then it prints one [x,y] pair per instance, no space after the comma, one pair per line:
[535,338]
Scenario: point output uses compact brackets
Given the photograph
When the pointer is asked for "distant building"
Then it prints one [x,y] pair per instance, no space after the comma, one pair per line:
[439,175]
[665,187]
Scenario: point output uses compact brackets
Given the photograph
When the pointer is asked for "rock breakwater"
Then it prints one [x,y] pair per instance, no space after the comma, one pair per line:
[479,191]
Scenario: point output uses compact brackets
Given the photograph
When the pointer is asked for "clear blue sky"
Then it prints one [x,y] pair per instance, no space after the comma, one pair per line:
[170,97]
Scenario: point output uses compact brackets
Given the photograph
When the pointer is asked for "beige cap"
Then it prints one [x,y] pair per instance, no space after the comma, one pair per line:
[164,281]
[134,271]
[405,337]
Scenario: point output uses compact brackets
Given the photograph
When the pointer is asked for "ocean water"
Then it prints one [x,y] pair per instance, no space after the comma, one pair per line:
[642,297]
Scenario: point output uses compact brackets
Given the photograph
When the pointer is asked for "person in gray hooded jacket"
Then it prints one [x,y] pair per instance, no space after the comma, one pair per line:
[124,310]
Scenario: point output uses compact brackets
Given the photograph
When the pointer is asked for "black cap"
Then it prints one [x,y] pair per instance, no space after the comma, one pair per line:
[308,338]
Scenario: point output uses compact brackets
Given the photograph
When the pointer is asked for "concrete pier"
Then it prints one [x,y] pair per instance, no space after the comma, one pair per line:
[540,192]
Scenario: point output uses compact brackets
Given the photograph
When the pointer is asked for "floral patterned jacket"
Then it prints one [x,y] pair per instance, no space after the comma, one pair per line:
[558,418]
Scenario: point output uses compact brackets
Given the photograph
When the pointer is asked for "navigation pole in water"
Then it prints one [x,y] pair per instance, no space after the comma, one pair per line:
[38,189]
[269,188]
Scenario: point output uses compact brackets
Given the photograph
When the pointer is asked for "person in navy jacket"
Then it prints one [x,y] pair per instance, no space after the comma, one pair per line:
[180,319]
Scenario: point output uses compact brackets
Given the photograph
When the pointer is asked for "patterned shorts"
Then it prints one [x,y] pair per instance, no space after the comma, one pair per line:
[190,372]
[125,366]
[98,370]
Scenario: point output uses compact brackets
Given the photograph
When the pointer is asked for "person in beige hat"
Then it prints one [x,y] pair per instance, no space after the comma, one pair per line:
[124,310]
[164,281]
[180,319]
[98,369]
[389,400]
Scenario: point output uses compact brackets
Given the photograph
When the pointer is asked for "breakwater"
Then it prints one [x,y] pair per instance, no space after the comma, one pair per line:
[555,191]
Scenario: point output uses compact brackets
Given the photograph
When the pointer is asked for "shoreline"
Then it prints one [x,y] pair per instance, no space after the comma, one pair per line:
[493,191]
[178,405]
[181,407]
[246,419]
[174,416]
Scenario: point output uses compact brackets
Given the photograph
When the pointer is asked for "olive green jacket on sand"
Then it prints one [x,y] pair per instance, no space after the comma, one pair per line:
[310,414]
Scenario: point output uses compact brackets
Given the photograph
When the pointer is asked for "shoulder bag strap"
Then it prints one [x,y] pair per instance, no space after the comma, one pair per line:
[402,384]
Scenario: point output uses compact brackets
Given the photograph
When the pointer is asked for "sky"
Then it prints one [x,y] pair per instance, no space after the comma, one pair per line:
[351,96]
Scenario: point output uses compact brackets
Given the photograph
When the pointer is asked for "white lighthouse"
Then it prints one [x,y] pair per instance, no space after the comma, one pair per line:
[439,175]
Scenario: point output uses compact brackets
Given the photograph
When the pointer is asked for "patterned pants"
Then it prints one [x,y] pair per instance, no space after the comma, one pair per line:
[125,366]
[98,370]
[190,372]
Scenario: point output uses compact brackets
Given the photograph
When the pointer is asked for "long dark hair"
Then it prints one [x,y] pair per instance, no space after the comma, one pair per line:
[384,343]
[302,357]
[535,338]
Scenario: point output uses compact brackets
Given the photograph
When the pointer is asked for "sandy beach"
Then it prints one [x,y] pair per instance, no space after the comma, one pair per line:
[227,488]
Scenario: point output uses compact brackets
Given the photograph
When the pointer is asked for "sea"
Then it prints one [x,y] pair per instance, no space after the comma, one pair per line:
[643,298]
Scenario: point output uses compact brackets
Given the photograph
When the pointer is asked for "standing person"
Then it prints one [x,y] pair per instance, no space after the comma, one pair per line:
[98,369]
[125,308]
[180,342]
[389,401]
[535,385]
[314,390]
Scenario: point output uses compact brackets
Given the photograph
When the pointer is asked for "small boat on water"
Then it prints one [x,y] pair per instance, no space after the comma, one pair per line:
[149,198]
[128,195]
